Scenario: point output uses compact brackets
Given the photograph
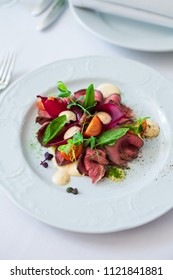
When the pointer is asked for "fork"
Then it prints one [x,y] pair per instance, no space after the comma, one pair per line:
[6,68]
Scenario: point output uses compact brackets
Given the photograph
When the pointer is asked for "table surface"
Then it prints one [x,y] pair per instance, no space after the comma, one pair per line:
[23,237]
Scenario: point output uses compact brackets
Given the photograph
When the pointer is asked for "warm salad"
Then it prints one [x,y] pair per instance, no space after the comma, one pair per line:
[91,132]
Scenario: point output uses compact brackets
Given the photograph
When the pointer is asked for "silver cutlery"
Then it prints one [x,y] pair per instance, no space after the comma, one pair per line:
[52,9]
[41,7]
[6,69]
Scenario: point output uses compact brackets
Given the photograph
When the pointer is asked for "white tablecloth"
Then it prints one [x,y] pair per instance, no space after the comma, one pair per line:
[23,237]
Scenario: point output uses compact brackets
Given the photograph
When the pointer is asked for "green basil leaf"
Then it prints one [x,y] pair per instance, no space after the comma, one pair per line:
[66,148]
[80,98]
[137,127]
[63,89]
[61,86]
[142,119]
[64,94]
[53,129]
[133,128]
[89,98]
[70,104]
[77,139]
[92,142]
[111,136]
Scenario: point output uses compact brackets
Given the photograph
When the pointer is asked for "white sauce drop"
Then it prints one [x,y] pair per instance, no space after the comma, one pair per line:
[62,176]
[152,129]
[108,89]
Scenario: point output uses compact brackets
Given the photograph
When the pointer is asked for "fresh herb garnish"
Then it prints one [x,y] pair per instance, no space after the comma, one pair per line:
[89,101]
[109,137]
[67,147]
[75,103]
[53,129]
[116,174]
[47,156]
[89,98]
[137,127]
[75,141]
[90,142]
[63,89]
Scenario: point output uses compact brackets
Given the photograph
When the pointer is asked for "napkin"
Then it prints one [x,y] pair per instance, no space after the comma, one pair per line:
[158,12]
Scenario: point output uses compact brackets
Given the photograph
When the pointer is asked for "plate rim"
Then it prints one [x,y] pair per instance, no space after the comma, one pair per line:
[74,10]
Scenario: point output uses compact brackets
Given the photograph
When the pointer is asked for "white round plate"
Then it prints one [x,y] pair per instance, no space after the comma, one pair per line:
[125,32]
[147,191]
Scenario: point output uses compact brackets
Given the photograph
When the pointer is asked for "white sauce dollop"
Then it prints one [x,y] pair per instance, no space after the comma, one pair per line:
[62,176]
[152,129]
[108,89]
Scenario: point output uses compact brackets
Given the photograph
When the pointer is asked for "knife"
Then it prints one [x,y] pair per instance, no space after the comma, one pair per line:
[54,11]
[41,7]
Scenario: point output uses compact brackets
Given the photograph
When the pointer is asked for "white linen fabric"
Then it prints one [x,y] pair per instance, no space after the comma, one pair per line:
[156,12]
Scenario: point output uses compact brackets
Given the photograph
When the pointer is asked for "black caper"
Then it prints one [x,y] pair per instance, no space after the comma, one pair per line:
[75,191]
[69,190]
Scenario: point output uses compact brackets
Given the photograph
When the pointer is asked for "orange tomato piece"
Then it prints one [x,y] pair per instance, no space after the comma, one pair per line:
[51,98]
[94,128]
[40,104]
[144,126]
[74,153]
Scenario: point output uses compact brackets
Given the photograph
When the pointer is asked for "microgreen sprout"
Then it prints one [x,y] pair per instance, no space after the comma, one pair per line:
[137,127]
[76,140]
[88,101]
[47,156]
[64,92]
[116,174]
[90,142]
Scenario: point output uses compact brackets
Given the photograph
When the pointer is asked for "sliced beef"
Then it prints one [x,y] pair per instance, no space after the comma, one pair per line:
[116,99]
[113,98]
[128,111]
[124,150]
[59,159]
[42,120]
[44,114]
[92,163]
[80,164]
[41,131]
[98,96]
[57,140]
[96,172]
